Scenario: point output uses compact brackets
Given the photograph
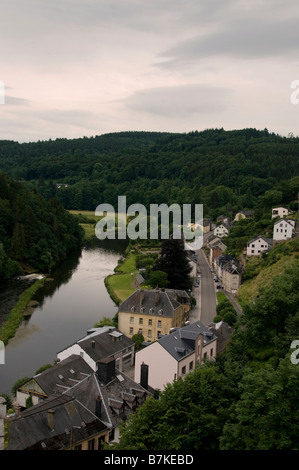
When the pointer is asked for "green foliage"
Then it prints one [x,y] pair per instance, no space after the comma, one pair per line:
[18,384]
[174,262]
[29,402]
[43,368]
[226,312]
[138,339]
[158,278]
[224,170]
[35,233]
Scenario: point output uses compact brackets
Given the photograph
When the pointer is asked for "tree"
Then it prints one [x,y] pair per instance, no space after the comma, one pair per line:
[138,339]
[158,278]
[173,260]
[267,415]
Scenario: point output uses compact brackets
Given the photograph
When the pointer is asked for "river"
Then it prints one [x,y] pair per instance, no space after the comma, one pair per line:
[68,305]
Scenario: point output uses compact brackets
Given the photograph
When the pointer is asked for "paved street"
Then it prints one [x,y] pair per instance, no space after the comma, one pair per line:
[205,295]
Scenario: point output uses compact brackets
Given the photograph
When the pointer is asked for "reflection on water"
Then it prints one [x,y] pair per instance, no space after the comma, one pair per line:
[71,302]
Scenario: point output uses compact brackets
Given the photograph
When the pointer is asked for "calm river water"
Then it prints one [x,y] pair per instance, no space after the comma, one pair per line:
[69,305]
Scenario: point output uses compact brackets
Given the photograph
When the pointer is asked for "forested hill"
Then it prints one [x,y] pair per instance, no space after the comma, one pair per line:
[225,170]
[34,233]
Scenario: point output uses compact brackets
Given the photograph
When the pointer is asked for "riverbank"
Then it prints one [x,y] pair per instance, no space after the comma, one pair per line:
[122,284]
[16,315]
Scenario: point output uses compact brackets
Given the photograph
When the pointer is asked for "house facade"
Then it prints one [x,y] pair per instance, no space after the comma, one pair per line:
[231,276]
[283,230]
[243,215]
[279,212]
[259,245]
[153,312]
[221,230]
[176,354]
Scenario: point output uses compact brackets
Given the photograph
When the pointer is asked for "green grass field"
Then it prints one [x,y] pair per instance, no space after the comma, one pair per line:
[122,284]
[249,289]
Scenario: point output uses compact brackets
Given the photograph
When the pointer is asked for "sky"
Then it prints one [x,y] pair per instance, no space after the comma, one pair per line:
[74,68]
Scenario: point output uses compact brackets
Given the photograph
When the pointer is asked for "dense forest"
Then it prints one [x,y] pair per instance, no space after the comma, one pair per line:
[224,170]
[34,233]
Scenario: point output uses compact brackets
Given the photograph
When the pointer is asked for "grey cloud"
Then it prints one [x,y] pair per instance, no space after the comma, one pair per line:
[179,101]
[243,40]
[14,101]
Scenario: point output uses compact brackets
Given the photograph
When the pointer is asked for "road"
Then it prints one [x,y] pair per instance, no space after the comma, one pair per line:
[205,294]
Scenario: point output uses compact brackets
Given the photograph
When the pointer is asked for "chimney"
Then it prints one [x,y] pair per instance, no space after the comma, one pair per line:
[157,295]
[98,407]
[50,419]
[106,370]
[144,376]
[93,344]
[141,296]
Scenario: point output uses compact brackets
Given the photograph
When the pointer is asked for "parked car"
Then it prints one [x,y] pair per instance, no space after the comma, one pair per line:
[218,286]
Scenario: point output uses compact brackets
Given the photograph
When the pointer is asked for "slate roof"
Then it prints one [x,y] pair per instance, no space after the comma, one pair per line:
[181,341]
[223,331]
[104,342]
[73,422]
[268,240]
[160,302]
[119,397]
[63,375]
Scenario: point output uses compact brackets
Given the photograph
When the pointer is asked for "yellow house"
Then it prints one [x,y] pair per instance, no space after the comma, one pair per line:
[153,312]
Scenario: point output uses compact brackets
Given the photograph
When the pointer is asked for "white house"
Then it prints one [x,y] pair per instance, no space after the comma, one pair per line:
[175,355]
[279,212]
[283,229]
[221,231]
[100,343]
[258,245]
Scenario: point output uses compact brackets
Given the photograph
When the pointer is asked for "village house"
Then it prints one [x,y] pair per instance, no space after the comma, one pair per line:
[60,422]
[217,247]
[81,415]
[223,331]
[221,230]
[231,276]
[223,219]
[243,215]
[279,212]
[174,355]
[283,230]
[153,312]
[101,343]
[56,379]
[259,245]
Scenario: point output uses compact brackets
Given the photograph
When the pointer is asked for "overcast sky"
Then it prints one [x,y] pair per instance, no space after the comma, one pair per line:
[74,68]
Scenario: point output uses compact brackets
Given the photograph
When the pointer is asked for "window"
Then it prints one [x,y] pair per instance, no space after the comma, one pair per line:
[91,444]
[140,321]
[131,319]
[131,331]
[100,442]
[149,333]
[184,370]
[150,322]
[78,447]
[211,353]
[191,366]
[159,324]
